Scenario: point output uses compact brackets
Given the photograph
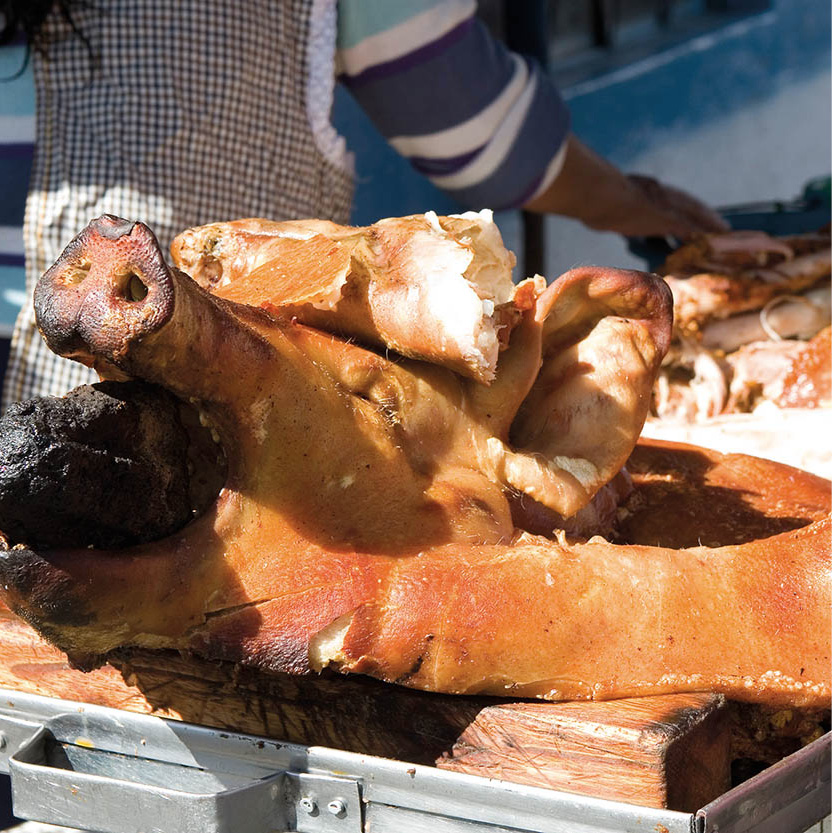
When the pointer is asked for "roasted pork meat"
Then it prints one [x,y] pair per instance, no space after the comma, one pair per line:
[739,297]
[108,465]
[428,287]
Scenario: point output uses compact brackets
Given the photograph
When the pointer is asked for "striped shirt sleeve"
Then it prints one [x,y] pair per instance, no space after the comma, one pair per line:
[17,136]
[485,125]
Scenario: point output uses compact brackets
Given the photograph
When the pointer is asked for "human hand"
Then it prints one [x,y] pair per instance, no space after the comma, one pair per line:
[682,214]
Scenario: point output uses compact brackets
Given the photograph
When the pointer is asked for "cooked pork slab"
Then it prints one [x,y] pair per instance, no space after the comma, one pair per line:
[368,519]
[428,287]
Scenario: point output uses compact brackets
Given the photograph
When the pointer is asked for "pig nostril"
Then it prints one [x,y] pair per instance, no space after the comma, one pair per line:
[136,289]
[75,274]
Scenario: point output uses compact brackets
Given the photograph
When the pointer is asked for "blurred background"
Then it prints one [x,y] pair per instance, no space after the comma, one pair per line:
[728,99]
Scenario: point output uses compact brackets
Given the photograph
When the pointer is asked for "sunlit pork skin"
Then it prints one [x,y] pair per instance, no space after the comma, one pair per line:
[364,526]
[428,287]
[379,284]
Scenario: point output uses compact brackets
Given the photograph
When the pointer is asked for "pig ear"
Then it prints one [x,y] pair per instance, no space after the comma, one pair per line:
[605,332]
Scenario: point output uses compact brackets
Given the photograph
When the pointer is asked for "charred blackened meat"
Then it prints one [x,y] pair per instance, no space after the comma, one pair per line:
[107,465]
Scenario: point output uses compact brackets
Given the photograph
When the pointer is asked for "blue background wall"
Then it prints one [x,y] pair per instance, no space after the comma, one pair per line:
[739,114]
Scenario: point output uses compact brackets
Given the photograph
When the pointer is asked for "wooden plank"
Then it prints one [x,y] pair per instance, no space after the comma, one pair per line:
[664,751]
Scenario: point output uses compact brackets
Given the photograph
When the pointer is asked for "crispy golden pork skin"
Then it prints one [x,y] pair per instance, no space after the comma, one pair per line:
[428,287]
[364,523]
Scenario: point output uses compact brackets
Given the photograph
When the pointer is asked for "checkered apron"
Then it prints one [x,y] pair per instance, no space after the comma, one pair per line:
[177,114]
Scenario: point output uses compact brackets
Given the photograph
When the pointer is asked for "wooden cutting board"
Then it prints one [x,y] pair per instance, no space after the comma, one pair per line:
[669,751]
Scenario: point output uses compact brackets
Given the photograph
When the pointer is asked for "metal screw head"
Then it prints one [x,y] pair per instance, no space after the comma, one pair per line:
[337,807]
[308,804]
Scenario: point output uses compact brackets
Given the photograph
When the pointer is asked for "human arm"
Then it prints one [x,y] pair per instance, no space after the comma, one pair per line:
[489,127]
[592,190]
[480,122]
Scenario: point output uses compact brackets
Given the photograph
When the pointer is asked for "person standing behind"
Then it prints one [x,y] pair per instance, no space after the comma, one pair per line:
[179,114]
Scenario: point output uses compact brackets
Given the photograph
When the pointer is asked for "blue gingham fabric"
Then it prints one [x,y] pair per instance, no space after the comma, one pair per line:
[226,132]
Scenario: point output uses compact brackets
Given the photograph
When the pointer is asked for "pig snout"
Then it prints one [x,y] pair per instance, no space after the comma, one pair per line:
[109,288]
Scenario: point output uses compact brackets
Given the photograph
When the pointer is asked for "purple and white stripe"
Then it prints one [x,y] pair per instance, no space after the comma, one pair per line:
[376,47]
[483,124]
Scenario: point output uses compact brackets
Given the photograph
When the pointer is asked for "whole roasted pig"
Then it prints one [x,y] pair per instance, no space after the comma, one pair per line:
[400,517]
